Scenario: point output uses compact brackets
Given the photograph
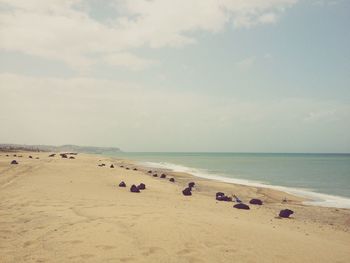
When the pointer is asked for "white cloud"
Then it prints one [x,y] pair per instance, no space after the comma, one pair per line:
[92,111]
[268,18]
[326,3]
[268,56]
[63,30]
[128,60]
[246,63]
[321,115]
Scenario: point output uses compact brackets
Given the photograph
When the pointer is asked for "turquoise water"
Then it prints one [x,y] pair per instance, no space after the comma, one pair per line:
[303,174]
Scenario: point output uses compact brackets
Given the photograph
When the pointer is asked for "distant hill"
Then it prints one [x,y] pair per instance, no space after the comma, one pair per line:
[62,148]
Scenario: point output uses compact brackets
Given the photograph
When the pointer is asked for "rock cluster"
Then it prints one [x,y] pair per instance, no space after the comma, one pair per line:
[220,196]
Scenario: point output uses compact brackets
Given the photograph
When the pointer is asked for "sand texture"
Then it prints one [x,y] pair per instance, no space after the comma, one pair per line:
[72,210]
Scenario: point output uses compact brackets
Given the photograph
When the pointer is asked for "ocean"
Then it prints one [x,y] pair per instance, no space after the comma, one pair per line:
[324,178]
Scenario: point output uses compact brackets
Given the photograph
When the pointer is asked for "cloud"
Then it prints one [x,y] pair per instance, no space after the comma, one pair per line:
[128,60]
[108,112]
[328,115]
[268,18]
[326,3]
[66,30]
[246,63]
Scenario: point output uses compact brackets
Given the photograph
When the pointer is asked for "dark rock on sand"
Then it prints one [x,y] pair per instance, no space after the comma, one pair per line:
[14,162]
[285,213]
[255,202]
[71,157]
[52,155]
[15,155]
[224,198]
[220,196]
[127,168]
[191,184]
[187,191]
[122,166]
[112,166]
[30,157]
[135,169]
[141,186]
[149,172]
[241,206]
[37,158]
[122,184]
[163,176]
[63,155]
[172,180]
[155,175]
[134,189]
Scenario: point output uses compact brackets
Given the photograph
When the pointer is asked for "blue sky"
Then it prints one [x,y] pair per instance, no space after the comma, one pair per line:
[229,75]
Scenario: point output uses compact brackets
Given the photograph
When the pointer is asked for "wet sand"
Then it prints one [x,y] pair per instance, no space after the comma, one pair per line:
[72,210]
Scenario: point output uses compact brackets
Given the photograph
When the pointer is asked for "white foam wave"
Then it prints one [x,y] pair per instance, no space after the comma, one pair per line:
[316,199]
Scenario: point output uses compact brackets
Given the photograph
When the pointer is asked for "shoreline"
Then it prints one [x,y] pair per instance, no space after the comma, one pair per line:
[271,197]
[72,210]
[216,180]
[309,197]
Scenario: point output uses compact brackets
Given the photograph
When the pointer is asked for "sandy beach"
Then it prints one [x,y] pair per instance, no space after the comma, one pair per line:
[54,209]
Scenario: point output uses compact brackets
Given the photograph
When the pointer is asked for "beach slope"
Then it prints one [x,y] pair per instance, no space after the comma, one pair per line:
[55,209]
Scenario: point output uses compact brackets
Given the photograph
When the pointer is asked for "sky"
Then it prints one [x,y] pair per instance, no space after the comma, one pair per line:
[185,75]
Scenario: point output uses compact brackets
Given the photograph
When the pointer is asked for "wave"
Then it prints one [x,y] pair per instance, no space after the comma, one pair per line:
[316,199]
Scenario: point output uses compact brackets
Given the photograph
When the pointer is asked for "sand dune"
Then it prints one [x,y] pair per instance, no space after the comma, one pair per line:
[63,210]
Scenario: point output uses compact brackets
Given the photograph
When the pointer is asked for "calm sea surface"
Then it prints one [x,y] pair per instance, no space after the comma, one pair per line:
[324,177]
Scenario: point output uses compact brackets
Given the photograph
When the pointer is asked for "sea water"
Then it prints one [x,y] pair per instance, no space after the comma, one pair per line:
[323,178]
